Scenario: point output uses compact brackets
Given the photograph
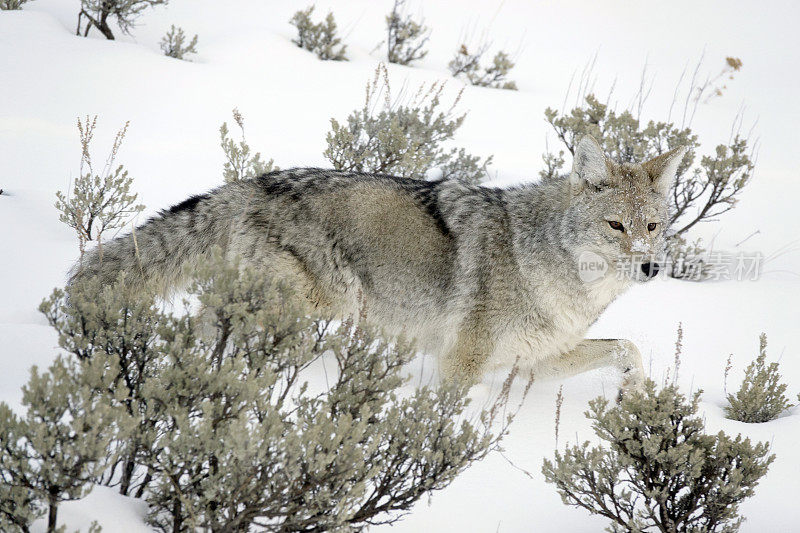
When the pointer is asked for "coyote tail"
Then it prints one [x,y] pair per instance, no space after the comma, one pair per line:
[157,255]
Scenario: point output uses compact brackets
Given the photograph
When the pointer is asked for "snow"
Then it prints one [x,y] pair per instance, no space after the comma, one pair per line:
[48,77]
[105,506]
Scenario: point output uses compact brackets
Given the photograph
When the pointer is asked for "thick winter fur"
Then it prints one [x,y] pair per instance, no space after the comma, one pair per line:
[480,275]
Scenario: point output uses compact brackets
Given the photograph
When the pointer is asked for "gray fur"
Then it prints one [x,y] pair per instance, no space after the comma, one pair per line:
[479,275]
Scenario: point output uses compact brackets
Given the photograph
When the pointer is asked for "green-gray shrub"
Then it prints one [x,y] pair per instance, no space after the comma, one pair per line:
[244,439]
[112,322]
[688,260]
[700,193]
[224,432]
[11,5]
[59,448]
[239,162]
[459,165]
[19,505]
[467,65]
[101,201]
[404,139]
[98,13]
[761,397]
[174,44]
[406,37]
[659,470]
[319,38]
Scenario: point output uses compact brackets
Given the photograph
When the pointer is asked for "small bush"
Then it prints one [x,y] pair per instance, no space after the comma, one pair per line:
[402,138]
[173,44]
[406,37]
[19,505]
[660,471]
[99,12]
[108,323]
[319,38]
[11,5]
[687,260]
[467,65]
[223,432]
[239,163]
[761,397]
[60,447]
[552,164]
[101,200]
[459,165]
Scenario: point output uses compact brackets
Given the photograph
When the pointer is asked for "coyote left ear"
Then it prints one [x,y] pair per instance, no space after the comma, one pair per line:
[662,169]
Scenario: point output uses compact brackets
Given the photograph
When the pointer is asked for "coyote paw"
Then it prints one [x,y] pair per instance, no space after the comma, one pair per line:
[630,364]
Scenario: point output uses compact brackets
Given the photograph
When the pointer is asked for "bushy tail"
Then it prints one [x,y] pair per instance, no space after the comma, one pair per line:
[156,256]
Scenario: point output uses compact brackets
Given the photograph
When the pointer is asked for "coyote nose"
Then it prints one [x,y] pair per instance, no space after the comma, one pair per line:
[650,269]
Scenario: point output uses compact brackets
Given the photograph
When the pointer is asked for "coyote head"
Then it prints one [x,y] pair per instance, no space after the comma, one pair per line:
[618,211]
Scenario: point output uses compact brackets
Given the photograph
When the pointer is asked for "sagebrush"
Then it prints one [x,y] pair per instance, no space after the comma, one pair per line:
[403,138]
[174,44]
[215,424]
[59,448]
[467,65]
[762,396]
[98,14]
[101,200]
[240,161]
[319,38]
[406,37]
[688,260]
[658,470]
[123,325]
[10,5]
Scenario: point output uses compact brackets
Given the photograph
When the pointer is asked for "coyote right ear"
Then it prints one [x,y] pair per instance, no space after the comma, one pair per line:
[589,166]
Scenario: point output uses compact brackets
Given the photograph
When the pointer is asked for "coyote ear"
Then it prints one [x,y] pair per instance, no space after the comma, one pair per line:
[589,167]
[662,169]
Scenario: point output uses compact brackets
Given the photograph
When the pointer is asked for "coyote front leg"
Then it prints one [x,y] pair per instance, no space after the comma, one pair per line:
[596,353]
[472,349]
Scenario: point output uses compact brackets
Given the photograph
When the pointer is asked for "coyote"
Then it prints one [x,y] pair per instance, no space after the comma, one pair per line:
[480,276]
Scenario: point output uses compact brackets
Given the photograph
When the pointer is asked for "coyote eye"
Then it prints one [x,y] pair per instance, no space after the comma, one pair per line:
[616,225]
[652,226]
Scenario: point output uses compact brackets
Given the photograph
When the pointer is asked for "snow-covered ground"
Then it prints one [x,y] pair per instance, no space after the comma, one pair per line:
[48,77]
